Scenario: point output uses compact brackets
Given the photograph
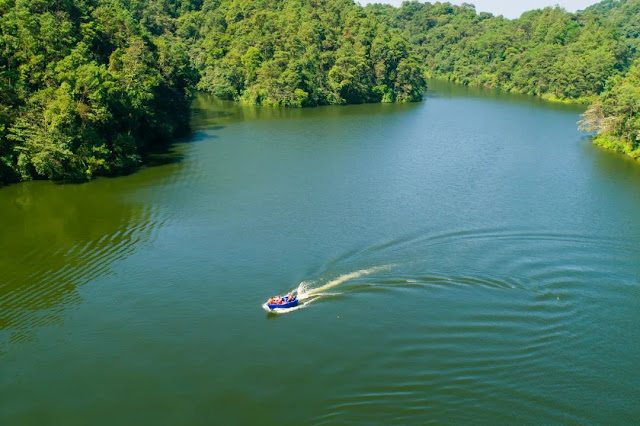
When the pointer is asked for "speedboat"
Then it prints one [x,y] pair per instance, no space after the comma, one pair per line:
[282,302]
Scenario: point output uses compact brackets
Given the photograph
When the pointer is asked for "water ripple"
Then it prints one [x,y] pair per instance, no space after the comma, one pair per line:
[472,347]
[33,300]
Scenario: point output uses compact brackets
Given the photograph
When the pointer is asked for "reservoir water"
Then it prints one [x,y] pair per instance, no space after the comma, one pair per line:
[472,259]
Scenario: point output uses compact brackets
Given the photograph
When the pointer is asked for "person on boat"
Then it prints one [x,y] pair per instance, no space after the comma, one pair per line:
[281,300]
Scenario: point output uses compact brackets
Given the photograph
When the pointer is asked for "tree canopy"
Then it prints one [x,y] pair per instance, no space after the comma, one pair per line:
[86,86]
[615,115]
[548,52]
[300,53]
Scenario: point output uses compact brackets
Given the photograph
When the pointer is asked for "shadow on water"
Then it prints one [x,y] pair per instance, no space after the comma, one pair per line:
[211,113]
[55,238]
[174,152]
[58,236]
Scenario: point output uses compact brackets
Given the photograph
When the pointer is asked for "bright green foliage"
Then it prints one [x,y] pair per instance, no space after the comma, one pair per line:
[624,17]
[615,115]
[581,57]
[300,53]
[549,52]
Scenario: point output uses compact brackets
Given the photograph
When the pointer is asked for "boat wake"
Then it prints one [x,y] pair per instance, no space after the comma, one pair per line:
[308,293]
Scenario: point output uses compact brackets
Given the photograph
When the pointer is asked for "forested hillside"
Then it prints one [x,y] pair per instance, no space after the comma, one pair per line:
[548,52]
[623,16]
[300,53]
[88,86]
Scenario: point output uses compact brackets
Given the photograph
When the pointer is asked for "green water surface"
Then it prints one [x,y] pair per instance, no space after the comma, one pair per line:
[483,260]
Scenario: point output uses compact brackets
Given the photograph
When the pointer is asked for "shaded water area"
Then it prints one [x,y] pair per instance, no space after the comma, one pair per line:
[472,258]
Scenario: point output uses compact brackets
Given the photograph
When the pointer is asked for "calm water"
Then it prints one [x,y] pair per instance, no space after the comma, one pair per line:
[471,259]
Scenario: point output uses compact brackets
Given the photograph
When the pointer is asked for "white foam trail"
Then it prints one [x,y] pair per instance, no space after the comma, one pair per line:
[304,292]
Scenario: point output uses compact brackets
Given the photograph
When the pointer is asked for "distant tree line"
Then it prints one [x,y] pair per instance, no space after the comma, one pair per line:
[87,87]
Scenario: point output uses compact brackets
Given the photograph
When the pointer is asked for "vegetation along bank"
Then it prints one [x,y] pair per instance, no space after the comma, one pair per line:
[87,87]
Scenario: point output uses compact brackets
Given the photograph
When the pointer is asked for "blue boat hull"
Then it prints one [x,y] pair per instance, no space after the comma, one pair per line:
[291,304]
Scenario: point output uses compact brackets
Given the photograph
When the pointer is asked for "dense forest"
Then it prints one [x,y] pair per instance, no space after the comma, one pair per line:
[300,53]
[87,87]
[549,52]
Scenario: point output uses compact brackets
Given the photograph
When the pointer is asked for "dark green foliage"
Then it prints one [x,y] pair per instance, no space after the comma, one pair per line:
[87,86]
